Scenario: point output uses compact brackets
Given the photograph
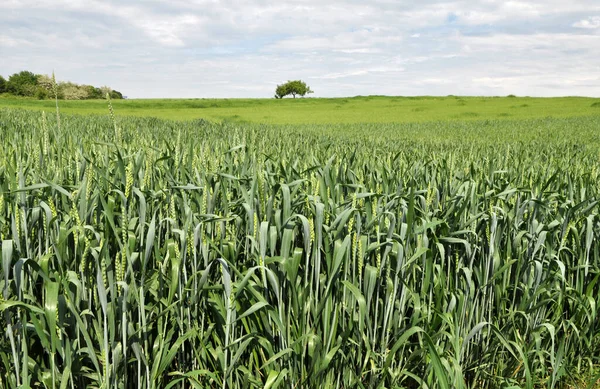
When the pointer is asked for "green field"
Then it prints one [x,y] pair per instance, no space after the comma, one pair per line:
[372,109]
[401,243]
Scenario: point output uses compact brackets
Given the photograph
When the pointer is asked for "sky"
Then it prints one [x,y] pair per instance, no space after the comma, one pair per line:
[212,48]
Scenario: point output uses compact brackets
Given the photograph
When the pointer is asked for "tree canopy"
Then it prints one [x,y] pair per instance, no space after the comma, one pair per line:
[22,83]
[296,87]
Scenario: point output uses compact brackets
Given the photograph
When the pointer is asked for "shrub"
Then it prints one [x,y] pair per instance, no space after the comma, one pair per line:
[41,93]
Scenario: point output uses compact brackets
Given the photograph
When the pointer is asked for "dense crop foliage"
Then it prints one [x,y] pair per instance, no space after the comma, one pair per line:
[152,254]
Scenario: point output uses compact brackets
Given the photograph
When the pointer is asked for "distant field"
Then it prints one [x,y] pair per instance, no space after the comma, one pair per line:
[371,109]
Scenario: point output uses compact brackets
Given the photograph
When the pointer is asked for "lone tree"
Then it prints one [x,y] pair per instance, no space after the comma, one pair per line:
[293,88]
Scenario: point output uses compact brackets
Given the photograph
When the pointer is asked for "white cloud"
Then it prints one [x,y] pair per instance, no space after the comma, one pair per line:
[10,42]
[552,43]
[360,72]
[591,23]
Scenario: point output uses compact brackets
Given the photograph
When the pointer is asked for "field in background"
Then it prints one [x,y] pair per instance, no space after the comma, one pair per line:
[372,109]
[149,253]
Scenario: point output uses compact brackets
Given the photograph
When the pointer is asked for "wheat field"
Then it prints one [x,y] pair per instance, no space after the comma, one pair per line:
[147,253]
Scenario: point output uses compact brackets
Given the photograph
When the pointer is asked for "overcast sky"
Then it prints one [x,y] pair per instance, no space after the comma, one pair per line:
[212,48]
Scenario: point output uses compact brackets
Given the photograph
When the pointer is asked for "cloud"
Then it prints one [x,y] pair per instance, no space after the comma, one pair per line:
[10,42]
[591,23]
[359,72]
[227,48]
